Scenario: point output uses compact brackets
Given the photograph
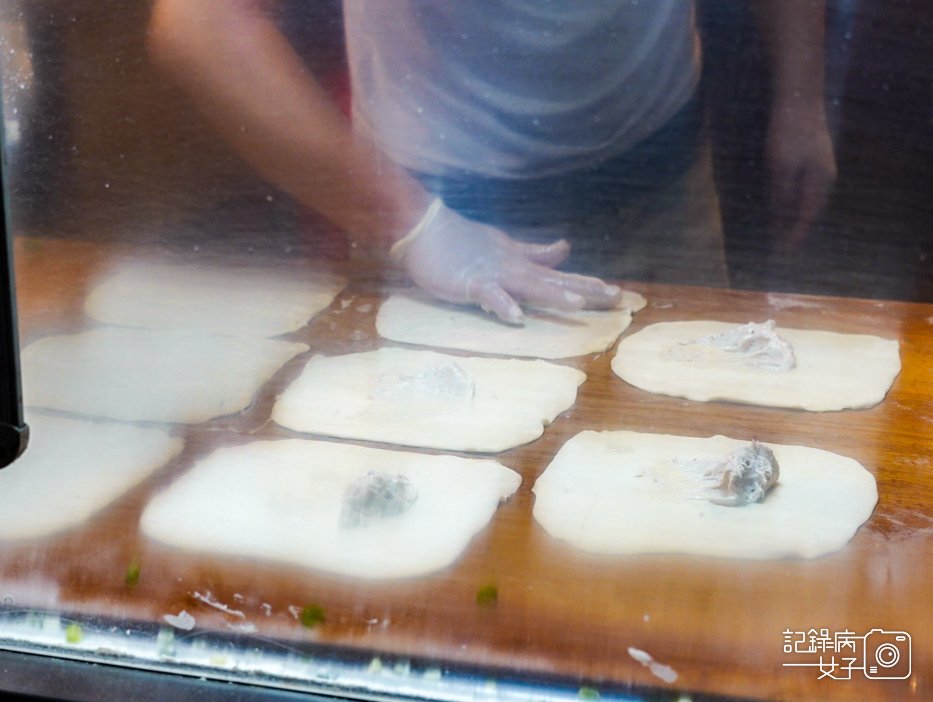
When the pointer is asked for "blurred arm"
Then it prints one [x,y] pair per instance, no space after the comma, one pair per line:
[243,74]
[799,149]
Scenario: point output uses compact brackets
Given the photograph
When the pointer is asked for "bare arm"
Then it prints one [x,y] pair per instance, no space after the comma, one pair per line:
[800,150]
[794,33]
[243,74]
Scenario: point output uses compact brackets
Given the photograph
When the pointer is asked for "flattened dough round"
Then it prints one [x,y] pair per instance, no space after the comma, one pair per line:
[624,492]
[150,375]
[407,397]
[412,318]
[242,301]
[833,372]
[281,501]
[73,469]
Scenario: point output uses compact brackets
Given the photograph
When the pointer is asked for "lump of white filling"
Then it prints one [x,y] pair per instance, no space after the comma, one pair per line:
[445,380]
[376,496]
[745,476]
[753,345]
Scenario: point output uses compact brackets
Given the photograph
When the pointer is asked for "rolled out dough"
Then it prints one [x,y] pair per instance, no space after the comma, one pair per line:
[149,375]
[624,492]
[73,469]
[412,318]
[833,371]
[428,399]
[245,301]
[282,500]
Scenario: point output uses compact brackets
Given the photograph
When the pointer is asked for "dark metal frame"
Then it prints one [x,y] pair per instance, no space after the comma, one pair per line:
[14,434]
[44,678]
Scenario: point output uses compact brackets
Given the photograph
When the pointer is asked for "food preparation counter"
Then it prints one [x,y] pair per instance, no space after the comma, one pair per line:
[549,613]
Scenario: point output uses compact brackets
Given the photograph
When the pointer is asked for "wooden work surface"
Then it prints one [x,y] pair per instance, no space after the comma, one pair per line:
[718,623]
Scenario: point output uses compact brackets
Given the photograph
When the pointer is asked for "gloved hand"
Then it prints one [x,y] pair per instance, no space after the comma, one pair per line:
[462,261]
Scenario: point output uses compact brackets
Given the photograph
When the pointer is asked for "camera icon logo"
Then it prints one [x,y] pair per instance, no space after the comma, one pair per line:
[887,655]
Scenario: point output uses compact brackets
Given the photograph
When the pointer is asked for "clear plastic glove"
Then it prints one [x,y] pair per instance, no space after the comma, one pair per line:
[462,261]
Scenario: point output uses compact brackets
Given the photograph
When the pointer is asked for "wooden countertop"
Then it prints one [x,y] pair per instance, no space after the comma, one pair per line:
[718,623]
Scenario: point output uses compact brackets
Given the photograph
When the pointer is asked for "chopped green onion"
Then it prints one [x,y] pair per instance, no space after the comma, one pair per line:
[73,633]
[132,573]
[487,596]
[311,616]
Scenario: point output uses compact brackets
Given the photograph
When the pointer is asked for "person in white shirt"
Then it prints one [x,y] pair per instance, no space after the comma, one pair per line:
[478,125]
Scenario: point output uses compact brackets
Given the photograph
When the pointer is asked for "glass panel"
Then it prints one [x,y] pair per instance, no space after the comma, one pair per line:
[279,435]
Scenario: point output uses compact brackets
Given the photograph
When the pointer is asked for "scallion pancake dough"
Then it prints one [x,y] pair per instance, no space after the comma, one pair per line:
[628,493]
[282,501]
[246,301]
[73,469]
[833,371]
[150,375]
[412,318]
[428,399]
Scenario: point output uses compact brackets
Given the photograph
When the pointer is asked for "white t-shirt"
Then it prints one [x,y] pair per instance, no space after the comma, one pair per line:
[517,88]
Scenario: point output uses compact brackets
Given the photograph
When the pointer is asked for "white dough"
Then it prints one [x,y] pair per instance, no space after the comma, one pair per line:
[245,301]
[282,500]
[412,318]
[833,371]
[72,469]
[428,399]
[149,375]
[624,492]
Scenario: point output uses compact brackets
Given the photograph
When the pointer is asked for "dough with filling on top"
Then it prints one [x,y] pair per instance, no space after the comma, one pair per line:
[626,493]
[428,399]
[830,371]
[286,501]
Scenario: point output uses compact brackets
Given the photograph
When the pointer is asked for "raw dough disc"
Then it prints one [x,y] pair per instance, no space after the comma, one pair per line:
[624,492]
[412,318]
[150,375]
[73,469]
[833,372]
[428,399]
[281,501]
[243,301]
